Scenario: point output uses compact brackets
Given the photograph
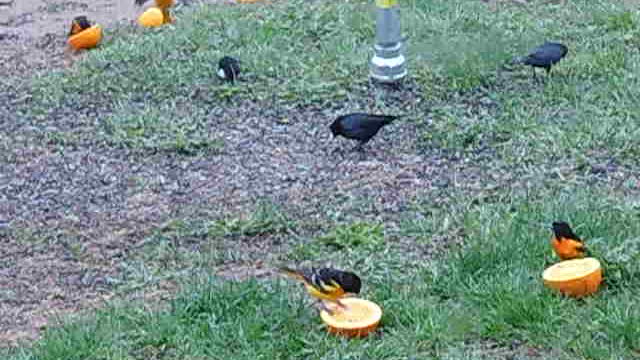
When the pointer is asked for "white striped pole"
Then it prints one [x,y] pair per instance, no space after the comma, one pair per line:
[388,63]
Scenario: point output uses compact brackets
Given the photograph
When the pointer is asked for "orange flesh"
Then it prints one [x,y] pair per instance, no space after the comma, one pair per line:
[357,314]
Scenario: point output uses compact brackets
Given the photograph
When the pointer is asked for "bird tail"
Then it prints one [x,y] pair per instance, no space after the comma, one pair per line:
[291,272]
[518,60]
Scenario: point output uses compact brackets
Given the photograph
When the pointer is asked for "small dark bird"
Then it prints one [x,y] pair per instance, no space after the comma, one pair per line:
[544,56]
[78,24]
[360,126]
[566,244]
[228,68]
[326,283]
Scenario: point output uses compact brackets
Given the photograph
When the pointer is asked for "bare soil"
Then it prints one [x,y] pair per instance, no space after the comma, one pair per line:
[42,272]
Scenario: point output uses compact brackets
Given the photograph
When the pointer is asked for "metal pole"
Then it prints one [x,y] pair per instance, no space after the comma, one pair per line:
[388,63]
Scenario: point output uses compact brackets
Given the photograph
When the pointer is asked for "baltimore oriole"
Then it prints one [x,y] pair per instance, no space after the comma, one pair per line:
[326,283]
[78,24]
[566,244]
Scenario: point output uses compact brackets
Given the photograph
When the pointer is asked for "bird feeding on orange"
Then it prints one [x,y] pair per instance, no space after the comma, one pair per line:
[566,244]
[82,35]
[326,284]
[78,24]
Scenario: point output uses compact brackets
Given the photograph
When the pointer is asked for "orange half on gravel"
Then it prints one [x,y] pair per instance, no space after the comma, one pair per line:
[578,277]
[360,318]
[86,39]
[151,18]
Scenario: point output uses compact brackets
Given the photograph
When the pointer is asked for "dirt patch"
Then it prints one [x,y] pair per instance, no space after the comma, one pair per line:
[63,259]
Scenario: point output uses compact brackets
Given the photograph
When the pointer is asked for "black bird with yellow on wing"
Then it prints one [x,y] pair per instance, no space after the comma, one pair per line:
[78,24]
[326,284]
[566,244]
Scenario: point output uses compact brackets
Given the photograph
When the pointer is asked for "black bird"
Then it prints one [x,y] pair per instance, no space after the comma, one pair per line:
[78,24]
[544,56]
[228,68]
[360,126]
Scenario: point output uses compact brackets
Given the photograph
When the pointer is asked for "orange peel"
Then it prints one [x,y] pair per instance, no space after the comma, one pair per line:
[358,319]
[577,277]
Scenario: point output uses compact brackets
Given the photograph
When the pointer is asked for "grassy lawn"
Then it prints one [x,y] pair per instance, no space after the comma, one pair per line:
[565,149]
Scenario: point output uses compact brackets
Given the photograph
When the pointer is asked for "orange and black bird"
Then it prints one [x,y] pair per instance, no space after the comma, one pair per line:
[78,24]
[566,244]
[326,284]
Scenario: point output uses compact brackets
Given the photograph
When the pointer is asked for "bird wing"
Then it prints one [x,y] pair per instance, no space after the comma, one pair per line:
[544,55]
[361,126]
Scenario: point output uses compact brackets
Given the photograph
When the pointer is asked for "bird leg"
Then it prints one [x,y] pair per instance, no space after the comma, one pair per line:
[330,311]
[326,308]
[341,305]
[359,147]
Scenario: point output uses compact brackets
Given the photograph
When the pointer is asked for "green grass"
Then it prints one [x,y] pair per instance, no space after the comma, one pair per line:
[489,290]
[158,91]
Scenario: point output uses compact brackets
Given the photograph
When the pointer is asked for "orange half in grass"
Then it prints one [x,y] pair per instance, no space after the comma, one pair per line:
[86,39]
[578,277]
[360,318]
[152,17]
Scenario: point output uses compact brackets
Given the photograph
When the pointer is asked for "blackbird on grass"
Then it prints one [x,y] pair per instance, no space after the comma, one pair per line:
[544,56]
[228,68]
[360,126]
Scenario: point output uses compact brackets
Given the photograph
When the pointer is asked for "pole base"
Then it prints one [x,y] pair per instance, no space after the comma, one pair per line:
[388,64]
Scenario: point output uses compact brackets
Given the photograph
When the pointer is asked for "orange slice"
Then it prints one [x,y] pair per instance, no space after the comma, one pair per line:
[360,318]
[578,277]
[86,39]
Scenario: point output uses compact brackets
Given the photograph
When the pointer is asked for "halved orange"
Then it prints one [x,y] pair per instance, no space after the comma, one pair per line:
[152,17]
[86,39]
[360,318]
[577,277]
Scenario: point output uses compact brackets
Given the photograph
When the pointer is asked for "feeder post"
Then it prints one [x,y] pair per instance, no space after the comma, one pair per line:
[388,63]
